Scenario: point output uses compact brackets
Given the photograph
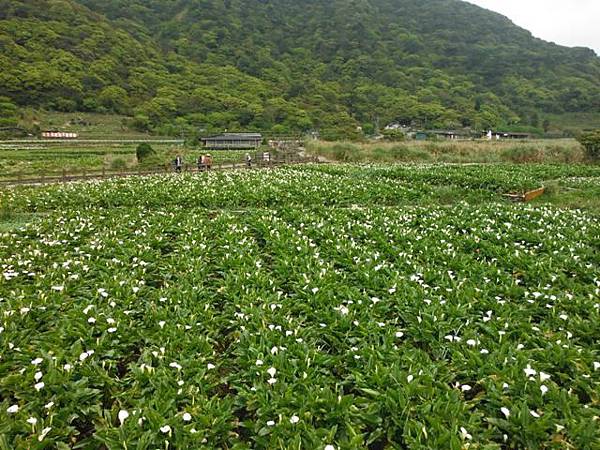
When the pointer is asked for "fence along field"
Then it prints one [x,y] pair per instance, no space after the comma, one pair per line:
[303,307]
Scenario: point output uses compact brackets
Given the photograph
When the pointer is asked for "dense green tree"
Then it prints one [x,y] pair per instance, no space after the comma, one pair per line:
[8,113]
[393,135]
[591,143]
[114,99]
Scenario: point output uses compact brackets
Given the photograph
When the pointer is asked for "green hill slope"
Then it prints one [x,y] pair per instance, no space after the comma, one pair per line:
[294,65]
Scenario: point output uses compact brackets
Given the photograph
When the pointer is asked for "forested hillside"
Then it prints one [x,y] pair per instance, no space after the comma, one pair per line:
[293,65]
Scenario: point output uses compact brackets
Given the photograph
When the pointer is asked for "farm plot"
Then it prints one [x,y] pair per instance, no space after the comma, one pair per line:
[340,185]
[299,308]
[73,158]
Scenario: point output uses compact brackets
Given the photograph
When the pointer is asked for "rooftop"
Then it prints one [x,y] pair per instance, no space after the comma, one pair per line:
[236,136]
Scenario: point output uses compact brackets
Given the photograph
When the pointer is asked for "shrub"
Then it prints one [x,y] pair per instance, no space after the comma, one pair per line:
[118,164]
[368,129]
[591,144]
[393,135]
[143,151]
[346,152]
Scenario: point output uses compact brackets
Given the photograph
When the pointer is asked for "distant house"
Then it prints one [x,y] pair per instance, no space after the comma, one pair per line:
[497,135]
[517,135]
[450,134]
[233,141]
[397,126]
[58,135]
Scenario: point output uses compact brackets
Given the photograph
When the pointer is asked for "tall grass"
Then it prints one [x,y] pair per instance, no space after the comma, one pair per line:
[536,151]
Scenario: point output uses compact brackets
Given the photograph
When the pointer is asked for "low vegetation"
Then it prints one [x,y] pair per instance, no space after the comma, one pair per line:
[549,151]
[28,161]
[307,307]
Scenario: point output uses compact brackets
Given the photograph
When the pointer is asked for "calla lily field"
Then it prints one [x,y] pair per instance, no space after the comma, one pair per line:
[306,307]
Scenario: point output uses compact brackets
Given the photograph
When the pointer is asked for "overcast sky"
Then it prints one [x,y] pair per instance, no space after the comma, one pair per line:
[574,23]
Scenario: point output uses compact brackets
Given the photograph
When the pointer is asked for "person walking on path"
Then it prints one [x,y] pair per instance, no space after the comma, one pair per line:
[248,161]
[178,163]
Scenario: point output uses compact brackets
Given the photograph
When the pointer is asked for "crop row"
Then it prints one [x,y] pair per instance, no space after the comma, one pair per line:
[340,185]
[283,327]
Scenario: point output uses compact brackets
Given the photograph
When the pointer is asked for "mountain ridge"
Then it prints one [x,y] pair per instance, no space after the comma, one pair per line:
[292,65]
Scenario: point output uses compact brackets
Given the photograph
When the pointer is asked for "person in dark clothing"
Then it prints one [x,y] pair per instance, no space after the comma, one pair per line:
[178,163]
